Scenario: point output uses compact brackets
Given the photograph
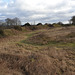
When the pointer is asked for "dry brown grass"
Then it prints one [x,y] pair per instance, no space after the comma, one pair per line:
[18,57]
[39,39]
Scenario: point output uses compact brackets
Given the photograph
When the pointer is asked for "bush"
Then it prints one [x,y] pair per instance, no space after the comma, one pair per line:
[33,27]
[27,24]
[50,25]
[39,24]
[18,28]
[1,32]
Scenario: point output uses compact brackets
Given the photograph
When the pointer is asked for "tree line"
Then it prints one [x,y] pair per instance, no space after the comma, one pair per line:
[8,21]
[16,21]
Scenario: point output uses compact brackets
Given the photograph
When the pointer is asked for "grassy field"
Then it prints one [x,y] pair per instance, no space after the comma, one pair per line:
[49,51]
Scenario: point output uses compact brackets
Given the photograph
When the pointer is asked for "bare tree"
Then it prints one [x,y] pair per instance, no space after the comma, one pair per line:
[8,21]
[16,21]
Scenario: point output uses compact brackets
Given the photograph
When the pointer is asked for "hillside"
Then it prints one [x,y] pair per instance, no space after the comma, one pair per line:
[48,51]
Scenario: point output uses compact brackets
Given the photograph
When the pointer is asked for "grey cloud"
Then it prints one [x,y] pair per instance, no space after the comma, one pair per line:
[59,12]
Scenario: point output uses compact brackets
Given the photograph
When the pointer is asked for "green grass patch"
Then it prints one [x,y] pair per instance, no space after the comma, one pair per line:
[29,35]
[51,43]
[40,44]
[26,42]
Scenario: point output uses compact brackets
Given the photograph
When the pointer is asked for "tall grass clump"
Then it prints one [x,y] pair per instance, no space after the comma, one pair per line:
[17,27]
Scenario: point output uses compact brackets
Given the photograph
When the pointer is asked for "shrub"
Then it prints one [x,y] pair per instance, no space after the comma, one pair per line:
[27,24]
[39,24]
[50,25]
[18,28]
[33,27]
[1,32]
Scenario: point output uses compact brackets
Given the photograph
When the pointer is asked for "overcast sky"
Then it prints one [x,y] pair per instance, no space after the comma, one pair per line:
[45,11]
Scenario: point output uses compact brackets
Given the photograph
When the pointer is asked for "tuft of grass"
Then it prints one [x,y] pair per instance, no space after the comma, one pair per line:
[71,35]
[29,35]
[19,44]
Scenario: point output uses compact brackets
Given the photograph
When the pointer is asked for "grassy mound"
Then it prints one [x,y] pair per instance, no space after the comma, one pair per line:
[51,38]
[38,39]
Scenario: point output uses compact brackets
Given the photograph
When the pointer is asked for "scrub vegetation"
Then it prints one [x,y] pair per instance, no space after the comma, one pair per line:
[37,50]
